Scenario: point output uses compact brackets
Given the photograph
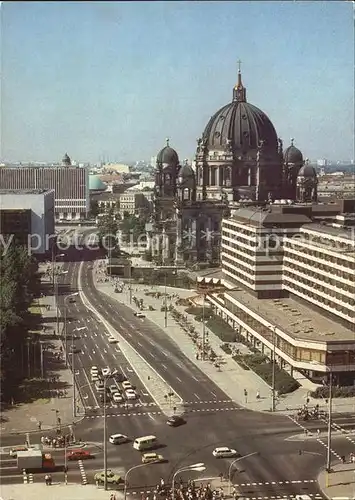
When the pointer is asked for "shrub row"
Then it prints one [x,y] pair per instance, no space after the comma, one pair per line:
[260,364]
[337,392]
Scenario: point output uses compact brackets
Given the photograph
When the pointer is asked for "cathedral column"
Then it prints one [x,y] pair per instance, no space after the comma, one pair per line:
[178,257]
[208,231]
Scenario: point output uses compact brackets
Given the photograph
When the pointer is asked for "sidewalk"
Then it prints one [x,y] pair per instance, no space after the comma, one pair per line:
[232,379]
[25,417]
[341,482]
[55,492]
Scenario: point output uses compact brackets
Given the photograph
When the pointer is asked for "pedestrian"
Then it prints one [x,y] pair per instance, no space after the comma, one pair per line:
[46,478]
[257,395]
[318,432]
[39,425]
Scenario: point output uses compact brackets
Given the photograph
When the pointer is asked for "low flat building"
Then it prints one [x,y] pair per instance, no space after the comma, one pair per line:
[132,202]
[289,278]
[28,217]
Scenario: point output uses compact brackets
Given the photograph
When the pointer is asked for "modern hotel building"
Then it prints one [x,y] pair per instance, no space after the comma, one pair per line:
[289,278]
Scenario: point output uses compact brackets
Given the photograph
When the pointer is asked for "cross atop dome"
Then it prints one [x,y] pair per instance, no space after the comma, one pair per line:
[239,91]
[167,141]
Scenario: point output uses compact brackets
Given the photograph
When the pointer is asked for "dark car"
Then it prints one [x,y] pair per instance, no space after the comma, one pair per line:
[175,421]
[74,350]
[120,377]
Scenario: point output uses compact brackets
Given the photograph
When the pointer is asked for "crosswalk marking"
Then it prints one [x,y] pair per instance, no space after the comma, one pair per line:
[184,403]
[193,410]
[265,483]
[84,479]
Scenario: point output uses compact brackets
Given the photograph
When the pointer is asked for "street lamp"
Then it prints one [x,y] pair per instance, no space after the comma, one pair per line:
[72,364]
[126,476]
[273,391]
[65,324]
[194,467]
[231,465]
[106,378]
[56,296]
[54,260]
[165,297]
[328,369]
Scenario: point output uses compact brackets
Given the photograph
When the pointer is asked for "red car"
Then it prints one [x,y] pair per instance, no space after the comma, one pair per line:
[79,455]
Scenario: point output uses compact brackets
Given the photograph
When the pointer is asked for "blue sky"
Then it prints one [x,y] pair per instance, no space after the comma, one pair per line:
[116,78]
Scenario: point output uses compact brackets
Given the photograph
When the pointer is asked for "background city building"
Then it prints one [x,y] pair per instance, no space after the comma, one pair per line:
[70,184]
[28,215]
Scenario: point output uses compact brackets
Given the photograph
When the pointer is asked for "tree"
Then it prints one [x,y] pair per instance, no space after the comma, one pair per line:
[19,283]
[108,227]
[132,225]
[94,208]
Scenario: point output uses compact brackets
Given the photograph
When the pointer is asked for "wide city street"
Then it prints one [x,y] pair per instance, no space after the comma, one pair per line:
[282,456]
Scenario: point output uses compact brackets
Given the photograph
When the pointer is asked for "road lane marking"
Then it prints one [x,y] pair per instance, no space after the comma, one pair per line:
[215,395]
[139,344]
[164,366]
[179,379]
[197,396]
[151,416]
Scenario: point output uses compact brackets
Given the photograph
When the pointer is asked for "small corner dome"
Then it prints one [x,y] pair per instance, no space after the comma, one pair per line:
[186,177]
[186,171]
[307,171]
[293,155]
[168,156]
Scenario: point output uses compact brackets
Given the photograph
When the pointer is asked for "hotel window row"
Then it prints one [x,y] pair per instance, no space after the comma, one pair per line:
[296,246]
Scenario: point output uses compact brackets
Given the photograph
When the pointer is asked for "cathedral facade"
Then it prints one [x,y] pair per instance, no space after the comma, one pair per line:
[239,159]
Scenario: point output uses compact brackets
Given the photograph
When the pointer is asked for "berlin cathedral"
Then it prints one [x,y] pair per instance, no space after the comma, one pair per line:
[239,161]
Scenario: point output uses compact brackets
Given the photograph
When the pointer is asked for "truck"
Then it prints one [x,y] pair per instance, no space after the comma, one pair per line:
[35,460]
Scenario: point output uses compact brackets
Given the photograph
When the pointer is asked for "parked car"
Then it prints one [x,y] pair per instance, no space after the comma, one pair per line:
[126,385]
[118,439]
[148,458]
[79,455]
[15,449]
[106,371]
[224,452]
[117,397]
[131,394]
[112,339]
[139,315]
[175,421]
[112,477]
[113,388]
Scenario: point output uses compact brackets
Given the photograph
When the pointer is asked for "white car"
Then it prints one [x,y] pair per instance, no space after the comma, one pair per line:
[117,397]
[126,385]
[118,439]
[106,371]
[139,315]
[224,452]
[131,394]
[93,370]
[94,377]
[112,339]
